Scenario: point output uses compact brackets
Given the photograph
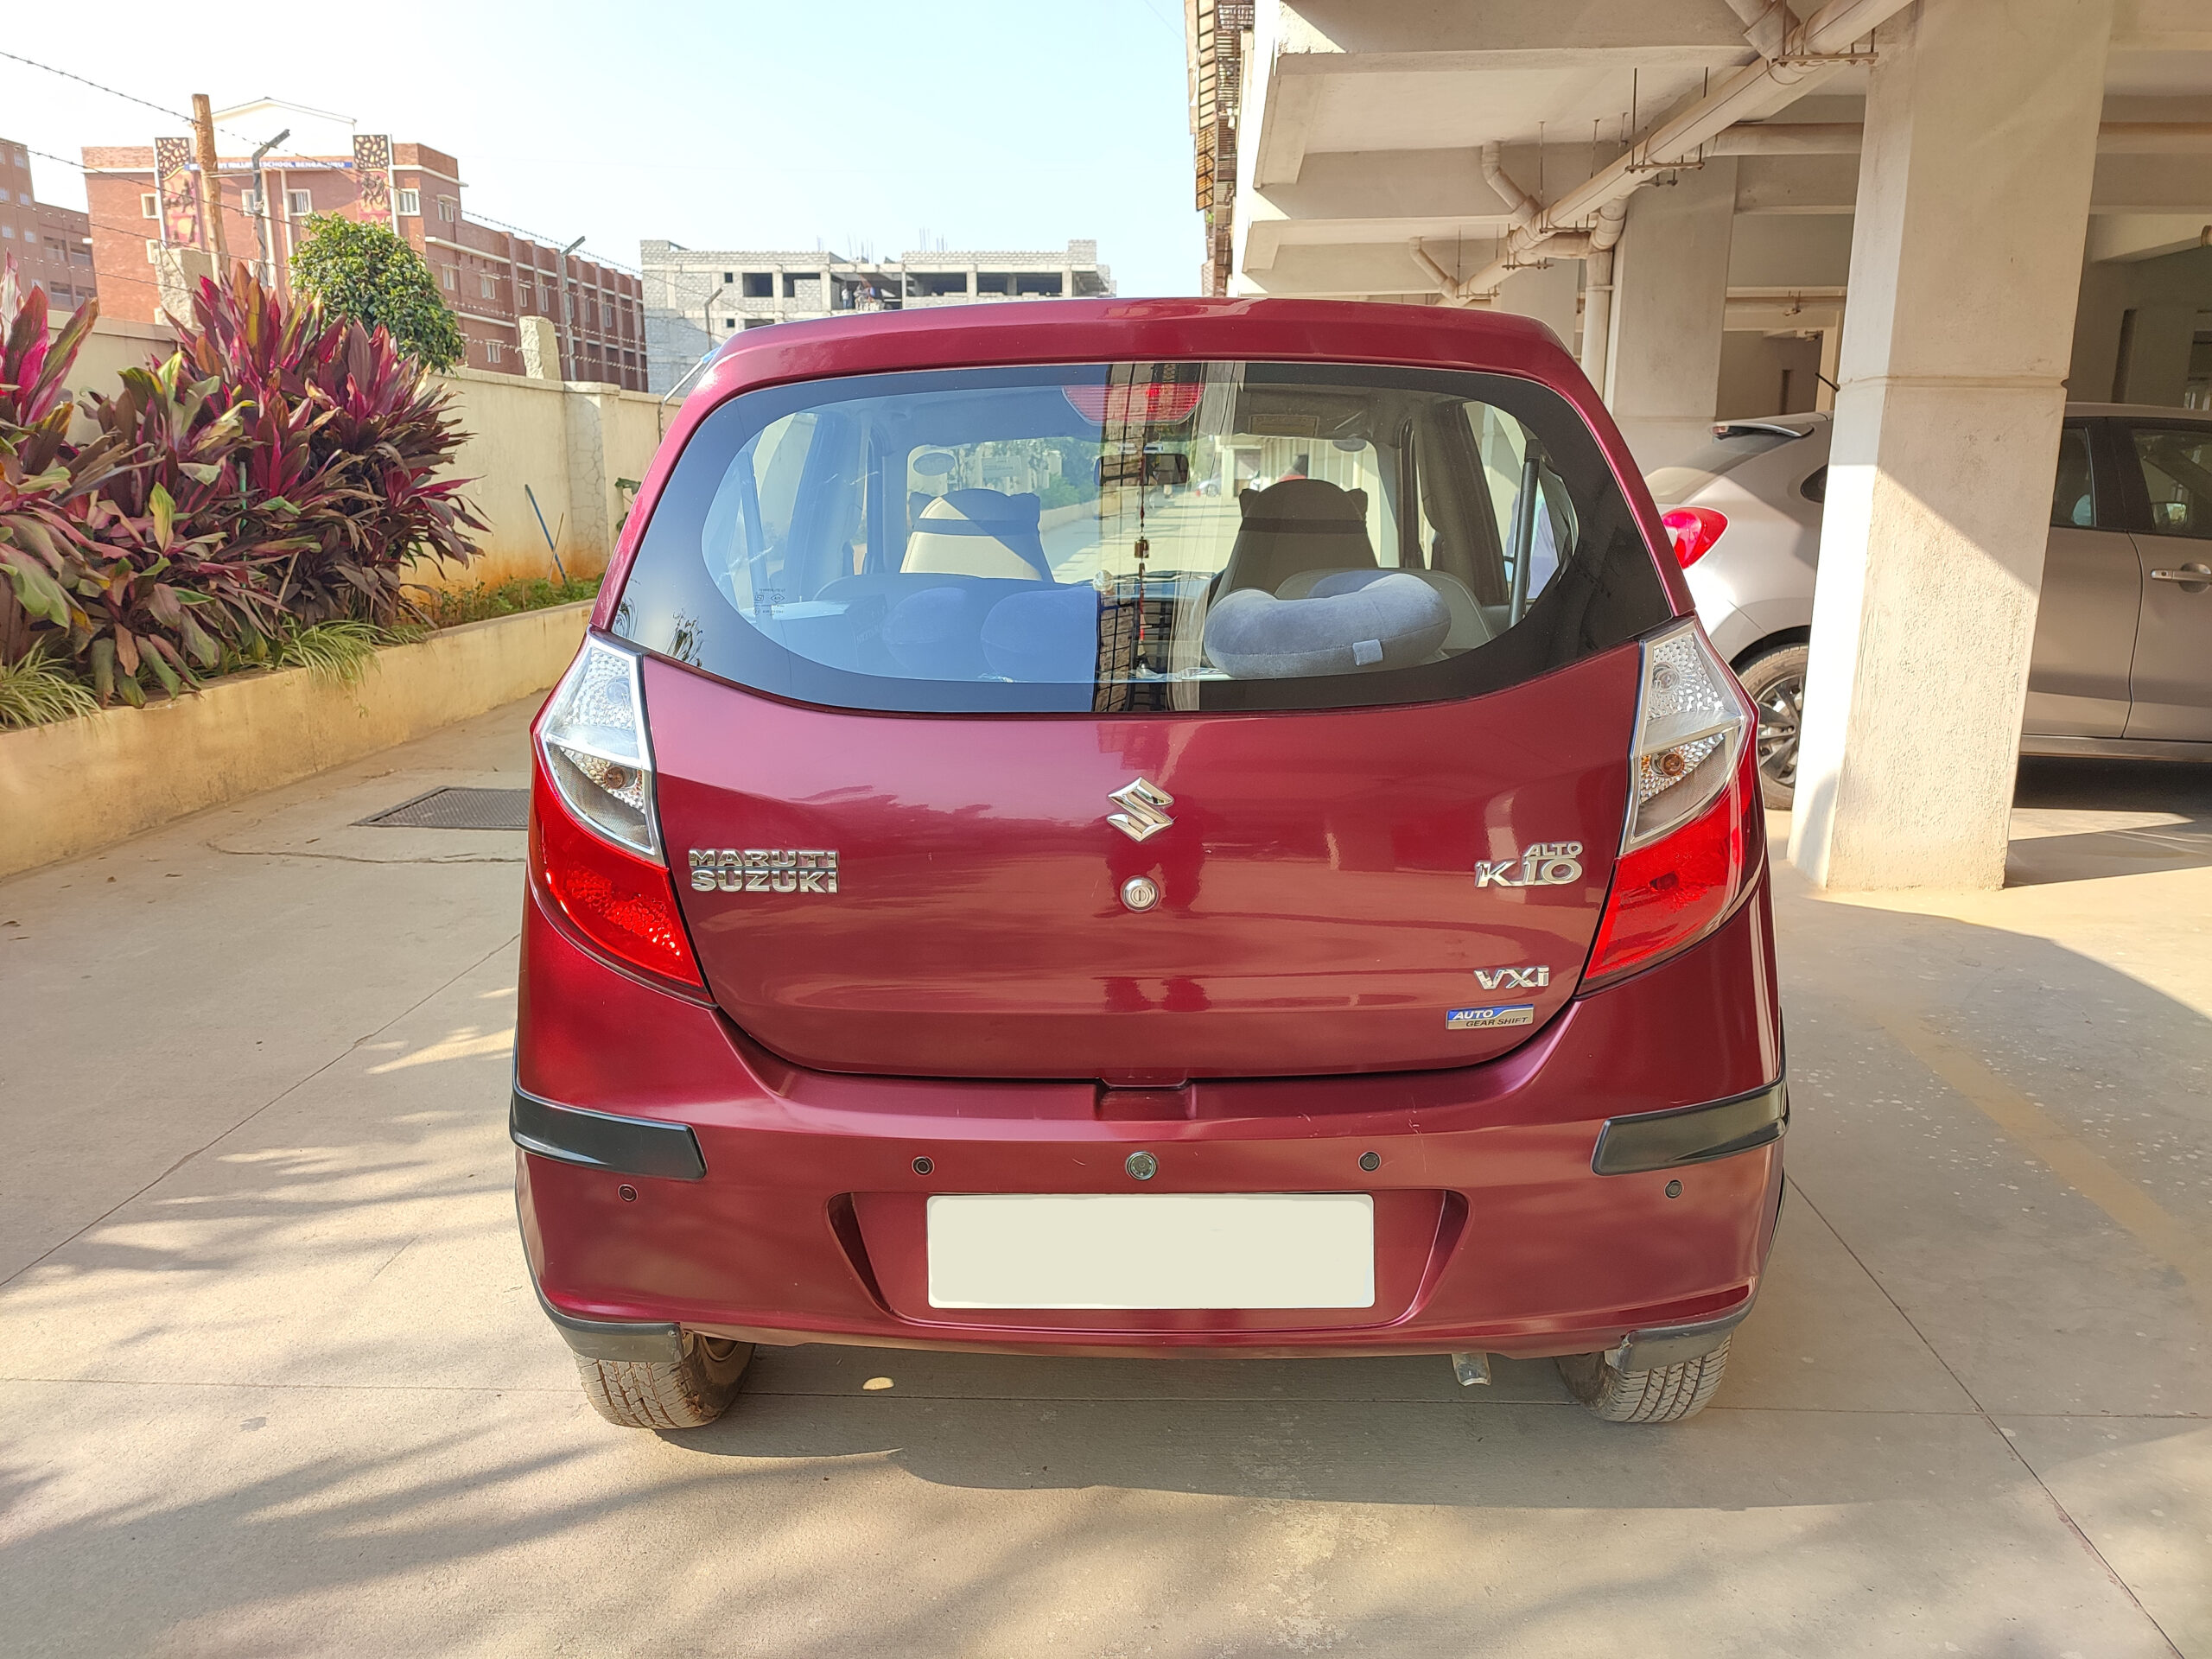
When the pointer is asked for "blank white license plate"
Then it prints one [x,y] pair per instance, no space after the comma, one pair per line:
[1152,1249]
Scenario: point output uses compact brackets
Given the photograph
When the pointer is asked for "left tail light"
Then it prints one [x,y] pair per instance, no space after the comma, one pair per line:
[1695,831]
[1692,531]
[594,837]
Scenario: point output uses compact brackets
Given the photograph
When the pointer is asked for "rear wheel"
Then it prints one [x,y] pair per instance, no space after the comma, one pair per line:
[687,1393]
[1665,1394]
[1776,682]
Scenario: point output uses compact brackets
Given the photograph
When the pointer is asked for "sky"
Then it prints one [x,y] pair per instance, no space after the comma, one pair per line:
[980,122]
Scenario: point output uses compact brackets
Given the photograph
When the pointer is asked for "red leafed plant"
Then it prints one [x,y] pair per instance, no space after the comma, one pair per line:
[182,563]
[345,439]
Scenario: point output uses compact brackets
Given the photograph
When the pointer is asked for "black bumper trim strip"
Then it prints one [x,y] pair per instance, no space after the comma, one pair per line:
[1670,1344]
[626,1146]
[1694,1134]
[638,1341]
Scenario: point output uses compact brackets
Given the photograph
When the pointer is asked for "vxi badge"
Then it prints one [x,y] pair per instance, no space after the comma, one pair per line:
[1547,864]
[1513,979]
[764,869]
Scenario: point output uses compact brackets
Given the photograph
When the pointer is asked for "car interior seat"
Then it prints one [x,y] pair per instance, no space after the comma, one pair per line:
[978,533]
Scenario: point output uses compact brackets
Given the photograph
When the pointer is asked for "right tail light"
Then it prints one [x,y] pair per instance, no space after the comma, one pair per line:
[1696,832]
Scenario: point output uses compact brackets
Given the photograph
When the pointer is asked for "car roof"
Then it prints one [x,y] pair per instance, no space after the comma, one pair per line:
[2144,412]
[1802,425]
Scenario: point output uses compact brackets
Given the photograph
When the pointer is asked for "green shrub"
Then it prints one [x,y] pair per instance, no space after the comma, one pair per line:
[33,691]
[366,274]
[446,608]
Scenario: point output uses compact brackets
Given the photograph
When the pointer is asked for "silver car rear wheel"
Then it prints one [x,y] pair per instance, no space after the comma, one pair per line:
[1776,682]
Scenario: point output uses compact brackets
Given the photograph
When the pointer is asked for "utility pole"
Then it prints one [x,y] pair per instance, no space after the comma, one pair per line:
[210,187]
[261,237]
[566,320]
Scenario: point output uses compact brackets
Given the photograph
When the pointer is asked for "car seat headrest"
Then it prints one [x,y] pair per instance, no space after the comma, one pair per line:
[978,533]
[1298,523]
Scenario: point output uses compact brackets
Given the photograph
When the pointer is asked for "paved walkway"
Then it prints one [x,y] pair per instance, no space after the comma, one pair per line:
[272,1381]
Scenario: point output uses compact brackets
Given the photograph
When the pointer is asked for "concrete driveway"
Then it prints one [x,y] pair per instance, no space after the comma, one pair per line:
[272,1379]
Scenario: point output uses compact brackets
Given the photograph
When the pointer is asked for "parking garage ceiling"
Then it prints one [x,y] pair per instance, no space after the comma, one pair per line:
[1363,126]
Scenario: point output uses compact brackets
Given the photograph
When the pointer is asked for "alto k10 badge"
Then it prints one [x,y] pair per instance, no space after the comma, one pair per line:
[1547,864]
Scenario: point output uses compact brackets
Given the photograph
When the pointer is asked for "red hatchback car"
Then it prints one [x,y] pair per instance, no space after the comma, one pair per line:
[1111,826]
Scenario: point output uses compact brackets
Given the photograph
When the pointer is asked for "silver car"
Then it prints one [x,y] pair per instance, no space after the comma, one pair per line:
[2122,663]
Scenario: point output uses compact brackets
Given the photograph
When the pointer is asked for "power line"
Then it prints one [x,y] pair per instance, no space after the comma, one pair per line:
[480,219]
[128,97]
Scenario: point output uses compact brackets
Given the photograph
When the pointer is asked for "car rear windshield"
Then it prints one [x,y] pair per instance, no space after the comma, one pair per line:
[1731,447]
[1140,535]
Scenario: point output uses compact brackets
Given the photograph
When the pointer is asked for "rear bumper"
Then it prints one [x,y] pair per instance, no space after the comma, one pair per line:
[670,1177]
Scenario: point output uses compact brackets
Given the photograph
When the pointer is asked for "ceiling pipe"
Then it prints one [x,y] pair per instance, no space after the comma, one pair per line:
[1766,24]
[1598,291]
[1751,93]
[1520,206]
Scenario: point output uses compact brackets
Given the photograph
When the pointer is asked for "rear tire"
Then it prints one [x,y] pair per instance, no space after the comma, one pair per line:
[1666,1394]
[689,1393]
[1774,680]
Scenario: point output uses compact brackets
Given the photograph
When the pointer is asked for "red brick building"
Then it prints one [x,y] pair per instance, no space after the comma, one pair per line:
[47,243]
[490,277]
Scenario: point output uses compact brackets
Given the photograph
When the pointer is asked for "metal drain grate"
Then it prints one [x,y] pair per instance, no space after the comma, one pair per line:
[458,809]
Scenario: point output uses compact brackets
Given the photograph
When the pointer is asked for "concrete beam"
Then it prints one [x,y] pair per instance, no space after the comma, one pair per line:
[1457,33]
[1973,202]
[1670,278]
[2130,237]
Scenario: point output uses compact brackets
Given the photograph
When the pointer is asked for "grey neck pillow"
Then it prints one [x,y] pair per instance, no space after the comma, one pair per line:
[1390,621]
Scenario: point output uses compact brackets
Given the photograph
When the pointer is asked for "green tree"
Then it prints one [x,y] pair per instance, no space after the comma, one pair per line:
[365,272]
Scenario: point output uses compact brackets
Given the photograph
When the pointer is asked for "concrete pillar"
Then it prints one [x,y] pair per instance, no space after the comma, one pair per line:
[541,347]
[1972,207]
[1547,293]
[1670,303]
[586,413]
[179,272]
[2155,340]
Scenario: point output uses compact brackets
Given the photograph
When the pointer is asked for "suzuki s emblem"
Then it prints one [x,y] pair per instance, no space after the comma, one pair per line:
[1142,817]
[1547,864]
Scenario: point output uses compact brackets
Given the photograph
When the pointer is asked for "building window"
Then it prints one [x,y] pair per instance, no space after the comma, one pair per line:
[491,350]
[729,322]
[791,280]
[410,203]
[729,278]
[759,284]
[446,271]
[299,203]
[1038,283]
[486,288]
[149,204]
[153,251]
[448,211]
